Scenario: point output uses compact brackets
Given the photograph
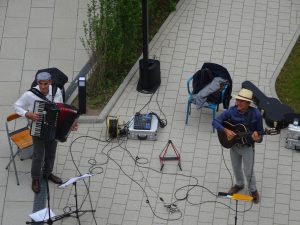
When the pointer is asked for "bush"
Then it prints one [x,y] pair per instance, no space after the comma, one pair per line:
[113,35]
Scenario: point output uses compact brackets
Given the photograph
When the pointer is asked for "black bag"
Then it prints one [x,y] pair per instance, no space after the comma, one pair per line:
[220,71]
[58,80]
[201,78]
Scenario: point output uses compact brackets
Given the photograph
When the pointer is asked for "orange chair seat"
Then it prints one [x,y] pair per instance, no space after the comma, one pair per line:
[22,138]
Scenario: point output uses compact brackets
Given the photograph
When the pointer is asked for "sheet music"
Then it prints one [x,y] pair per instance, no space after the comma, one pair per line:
[42,215]
[75,179]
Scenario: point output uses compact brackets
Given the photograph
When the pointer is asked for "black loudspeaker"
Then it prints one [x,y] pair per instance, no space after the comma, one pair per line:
[150,76]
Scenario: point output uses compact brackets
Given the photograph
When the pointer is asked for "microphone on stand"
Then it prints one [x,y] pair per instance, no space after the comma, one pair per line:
[223,194]
[241,197]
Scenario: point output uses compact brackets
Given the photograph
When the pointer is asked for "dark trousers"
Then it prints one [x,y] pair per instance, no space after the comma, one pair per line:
[43,155]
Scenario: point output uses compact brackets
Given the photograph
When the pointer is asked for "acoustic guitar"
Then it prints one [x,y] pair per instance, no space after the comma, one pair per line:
[241,132]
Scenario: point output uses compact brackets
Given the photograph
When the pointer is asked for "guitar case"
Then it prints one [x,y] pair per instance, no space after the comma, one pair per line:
[291,117]
[273,111]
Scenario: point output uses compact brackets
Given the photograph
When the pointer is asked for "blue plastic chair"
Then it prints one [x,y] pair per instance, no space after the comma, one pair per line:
[214,107]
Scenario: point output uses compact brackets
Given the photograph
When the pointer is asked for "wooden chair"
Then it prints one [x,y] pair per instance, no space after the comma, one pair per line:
[18,137]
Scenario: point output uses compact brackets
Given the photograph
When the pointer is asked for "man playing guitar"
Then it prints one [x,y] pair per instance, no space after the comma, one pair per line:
[242,152]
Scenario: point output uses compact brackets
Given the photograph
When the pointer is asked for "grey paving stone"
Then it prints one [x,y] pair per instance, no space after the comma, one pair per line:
[15,27]
[39,37]
[36,59]
[12,69]
[62,49]
[41,17]
[17,9]
[42,3]
[12,48]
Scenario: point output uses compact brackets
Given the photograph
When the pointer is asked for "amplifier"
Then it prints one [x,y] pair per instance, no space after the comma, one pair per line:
[293,137]
[139,134]
[292,144]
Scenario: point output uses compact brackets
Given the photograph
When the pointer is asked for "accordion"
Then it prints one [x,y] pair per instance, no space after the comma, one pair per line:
[55,120]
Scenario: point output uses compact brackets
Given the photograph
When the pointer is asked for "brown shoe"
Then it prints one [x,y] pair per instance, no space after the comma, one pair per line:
[255,196]
[235,189]
[55,179]
[35,186]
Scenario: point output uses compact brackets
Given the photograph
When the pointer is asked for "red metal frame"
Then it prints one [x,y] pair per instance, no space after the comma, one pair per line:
[163,157]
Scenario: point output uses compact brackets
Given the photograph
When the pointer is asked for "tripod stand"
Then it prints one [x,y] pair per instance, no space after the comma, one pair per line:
[77,212]
[51,218]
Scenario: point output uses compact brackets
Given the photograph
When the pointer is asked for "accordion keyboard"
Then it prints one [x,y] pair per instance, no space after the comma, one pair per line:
[46,125]
[36,126]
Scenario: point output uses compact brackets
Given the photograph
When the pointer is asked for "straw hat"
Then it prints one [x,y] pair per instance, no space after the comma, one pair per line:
[245,95]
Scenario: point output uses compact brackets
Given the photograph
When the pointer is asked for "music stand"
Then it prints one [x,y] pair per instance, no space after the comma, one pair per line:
[77,212]
[51,217]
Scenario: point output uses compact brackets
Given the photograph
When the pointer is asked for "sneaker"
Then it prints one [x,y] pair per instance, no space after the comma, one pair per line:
[235,189]
[255,196]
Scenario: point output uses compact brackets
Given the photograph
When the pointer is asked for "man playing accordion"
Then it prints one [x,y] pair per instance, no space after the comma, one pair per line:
[44,150]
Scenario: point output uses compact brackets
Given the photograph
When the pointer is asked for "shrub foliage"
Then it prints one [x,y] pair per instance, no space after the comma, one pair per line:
[113,35]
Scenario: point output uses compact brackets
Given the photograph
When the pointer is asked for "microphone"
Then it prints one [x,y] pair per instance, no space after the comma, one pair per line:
[223,194]
[241,197]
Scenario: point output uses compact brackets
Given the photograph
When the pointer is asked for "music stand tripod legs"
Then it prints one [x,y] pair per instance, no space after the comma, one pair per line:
[77,212]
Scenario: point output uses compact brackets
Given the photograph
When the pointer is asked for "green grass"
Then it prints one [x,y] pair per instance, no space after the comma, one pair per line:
[288,82]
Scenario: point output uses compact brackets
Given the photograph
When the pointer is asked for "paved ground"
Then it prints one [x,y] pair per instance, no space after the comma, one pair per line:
[252,39]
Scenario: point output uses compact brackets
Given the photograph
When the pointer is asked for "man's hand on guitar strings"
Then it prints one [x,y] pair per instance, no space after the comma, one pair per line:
[229,133]
[255,136]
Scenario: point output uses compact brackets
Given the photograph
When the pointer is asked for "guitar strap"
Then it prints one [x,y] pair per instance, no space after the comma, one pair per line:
[249,117]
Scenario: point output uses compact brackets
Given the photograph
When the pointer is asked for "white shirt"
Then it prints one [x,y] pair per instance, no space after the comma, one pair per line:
[26,102]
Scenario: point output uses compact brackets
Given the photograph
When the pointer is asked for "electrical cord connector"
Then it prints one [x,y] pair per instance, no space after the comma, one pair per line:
[162,123]
[172,207]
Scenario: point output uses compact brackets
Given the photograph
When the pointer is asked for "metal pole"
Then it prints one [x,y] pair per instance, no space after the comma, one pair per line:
[82,95]
[145,29]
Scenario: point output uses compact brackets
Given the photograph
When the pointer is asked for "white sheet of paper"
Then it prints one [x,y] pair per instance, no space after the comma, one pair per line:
[42,215]
[74,179]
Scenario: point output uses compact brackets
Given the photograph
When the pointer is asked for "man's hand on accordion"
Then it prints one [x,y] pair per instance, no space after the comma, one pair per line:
[32,116]
[74,127]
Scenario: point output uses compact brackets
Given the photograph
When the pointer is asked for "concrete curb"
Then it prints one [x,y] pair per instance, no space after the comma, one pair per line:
[282,62]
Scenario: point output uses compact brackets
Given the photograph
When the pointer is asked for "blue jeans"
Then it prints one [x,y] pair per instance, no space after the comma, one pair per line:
[242,160]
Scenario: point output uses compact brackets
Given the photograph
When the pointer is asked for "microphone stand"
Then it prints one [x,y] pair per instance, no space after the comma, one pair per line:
[236,210]
[236,197]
